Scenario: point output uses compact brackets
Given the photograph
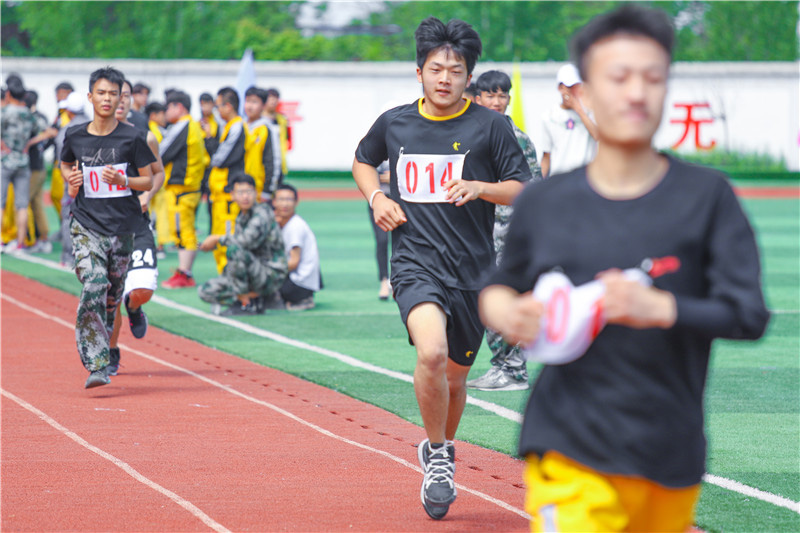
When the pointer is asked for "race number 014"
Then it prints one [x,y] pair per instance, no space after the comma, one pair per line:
[411,166]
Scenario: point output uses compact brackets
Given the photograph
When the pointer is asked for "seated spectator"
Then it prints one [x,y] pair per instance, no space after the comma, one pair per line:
[256,262]
[301,250]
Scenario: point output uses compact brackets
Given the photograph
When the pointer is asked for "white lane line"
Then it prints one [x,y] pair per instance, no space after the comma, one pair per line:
[499,410]
[128,469]
[279,410]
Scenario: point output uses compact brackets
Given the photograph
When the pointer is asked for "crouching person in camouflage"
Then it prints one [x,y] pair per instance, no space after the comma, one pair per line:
[257,265]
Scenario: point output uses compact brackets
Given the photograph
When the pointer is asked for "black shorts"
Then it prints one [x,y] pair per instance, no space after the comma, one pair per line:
[144,246]
[464,328]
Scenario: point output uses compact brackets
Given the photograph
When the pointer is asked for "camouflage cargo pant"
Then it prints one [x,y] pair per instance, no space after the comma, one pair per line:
[504,355]
[243,273]
[101,262]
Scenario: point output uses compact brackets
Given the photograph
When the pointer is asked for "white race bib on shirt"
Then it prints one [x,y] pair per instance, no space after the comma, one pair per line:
[94,187]
[421,177]
[572,318]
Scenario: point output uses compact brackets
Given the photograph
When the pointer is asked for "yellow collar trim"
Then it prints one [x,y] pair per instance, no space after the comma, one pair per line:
[431,117]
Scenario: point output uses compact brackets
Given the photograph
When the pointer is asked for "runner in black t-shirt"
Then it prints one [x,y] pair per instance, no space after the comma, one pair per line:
[95,162]
[141,279]
[450,162]
[614,439]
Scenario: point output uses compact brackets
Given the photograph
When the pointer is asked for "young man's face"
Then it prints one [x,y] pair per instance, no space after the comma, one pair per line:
[206,107]
[140,98]
[444,78]
[284,204]
[124,103]
[253,107]
[174,112]
[272,104]
[160,118]
[497,100]
[244,195]
[105,98]
[226,110]
[62,94]
[626,87]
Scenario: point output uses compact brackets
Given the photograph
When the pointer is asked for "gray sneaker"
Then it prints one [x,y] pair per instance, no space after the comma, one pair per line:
[498,379]
[97,379]
[438,486]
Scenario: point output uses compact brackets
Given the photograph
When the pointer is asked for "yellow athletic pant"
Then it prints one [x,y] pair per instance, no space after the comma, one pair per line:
[564,495]
[223,219]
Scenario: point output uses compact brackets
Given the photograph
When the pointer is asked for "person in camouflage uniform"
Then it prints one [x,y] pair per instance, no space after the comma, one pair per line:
[257,265]
[18,126]
[508,369]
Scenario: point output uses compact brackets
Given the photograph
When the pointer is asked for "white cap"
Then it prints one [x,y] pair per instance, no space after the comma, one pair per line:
[62,103]
[74,102]
[568,75]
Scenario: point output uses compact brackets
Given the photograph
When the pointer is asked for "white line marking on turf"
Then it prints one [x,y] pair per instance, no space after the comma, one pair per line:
[233,391]
[491,407]
[128,469]
[741,488]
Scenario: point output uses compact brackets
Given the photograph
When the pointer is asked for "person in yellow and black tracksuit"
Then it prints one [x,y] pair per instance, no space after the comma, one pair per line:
[185,158]
[227,160]
[157,123]
[259,159]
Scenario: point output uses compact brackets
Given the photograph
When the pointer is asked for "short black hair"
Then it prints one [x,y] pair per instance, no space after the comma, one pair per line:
[272,91]
[287,187]
[471,89]
[15,87]
[180,97]
[106,73]
[229,96]
[140,88]
[493,80]
[154,107]
[255,91]
[240,177]
[629,19]
[31,98]
[206,97]
[124,81]
[432,35]
[65,86]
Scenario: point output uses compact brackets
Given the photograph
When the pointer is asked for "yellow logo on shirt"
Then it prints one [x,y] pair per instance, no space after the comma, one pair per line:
[456,144]
[469,354]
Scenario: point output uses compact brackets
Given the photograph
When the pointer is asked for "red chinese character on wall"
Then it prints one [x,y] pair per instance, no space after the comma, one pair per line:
[690,122]
[289,110]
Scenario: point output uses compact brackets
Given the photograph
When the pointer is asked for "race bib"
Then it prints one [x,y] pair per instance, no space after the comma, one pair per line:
[93,186]
[421,177]
[572,318]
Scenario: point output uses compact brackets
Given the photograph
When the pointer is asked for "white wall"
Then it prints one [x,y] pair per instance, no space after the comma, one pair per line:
[754,106]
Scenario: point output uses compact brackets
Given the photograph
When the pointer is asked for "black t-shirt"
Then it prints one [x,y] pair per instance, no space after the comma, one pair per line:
[452,243]
[109,210]
[633,404]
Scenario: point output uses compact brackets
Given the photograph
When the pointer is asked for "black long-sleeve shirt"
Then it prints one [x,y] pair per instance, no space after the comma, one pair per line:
[633,404]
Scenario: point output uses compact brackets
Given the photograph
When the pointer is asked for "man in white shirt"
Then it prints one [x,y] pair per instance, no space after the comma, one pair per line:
[301,251]
[568,139]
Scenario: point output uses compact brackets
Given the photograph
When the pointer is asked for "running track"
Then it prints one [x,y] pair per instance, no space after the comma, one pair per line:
[188,438]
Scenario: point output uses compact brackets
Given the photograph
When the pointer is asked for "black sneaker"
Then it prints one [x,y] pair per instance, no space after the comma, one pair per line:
[97,378]
[438,486]
[137,319]
[238,309]
[113,365]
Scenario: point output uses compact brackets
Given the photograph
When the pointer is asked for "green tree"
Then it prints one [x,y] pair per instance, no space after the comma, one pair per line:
[521,31]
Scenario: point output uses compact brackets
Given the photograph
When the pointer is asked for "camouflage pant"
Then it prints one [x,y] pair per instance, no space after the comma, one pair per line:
[504,355]
[243,273]
[101,262]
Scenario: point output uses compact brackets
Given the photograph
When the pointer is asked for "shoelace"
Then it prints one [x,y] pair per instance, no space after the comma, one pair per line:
[439,468]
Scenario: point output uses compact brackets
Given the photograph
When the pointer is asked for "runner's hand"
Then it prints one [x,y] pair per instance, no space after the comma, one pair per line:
[75,177]
[387,213]
[522,321]
[462,191]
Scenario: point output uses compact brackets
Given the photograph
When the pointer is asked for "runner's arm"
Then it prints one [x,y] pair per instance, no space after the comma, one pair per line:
[387,213]
[462,191]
